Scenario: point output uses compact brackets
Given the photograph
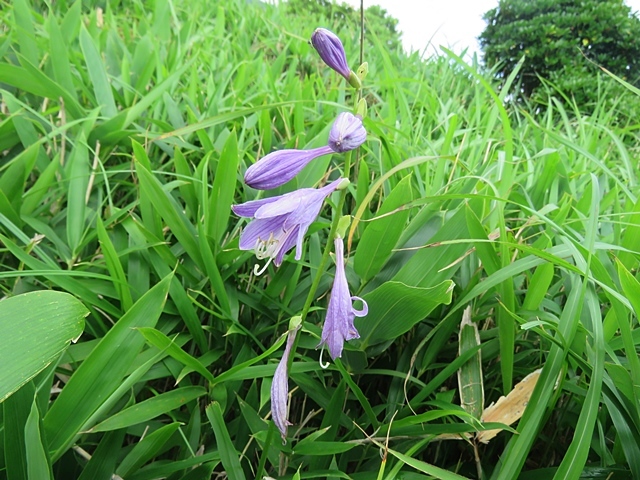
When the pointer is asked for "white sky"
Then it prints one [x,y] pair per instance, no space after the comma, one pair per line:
[452,23]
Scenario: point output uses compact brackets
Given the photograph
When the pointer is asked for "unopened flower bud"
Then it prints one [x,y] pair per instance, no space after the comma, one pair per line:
[347,133]
[330,49]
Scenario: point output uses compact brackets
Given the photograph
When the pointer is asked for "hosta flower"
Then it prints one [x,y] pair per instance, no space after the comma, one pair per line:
[331,51]
[347,133]
[277,168]
[280,388]
[281,222]
[338,324]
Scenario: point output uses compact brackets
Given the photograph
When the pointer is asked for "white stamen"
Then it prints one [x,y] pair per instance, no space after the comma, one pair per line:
[257,271]
[323,365]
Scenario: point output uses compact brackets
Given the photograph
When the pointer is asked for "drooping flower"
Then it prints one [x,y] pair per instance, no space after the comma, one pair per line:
[281,222]
[347,133]
[331,51]
[277,168]
[280,388]
[338,324]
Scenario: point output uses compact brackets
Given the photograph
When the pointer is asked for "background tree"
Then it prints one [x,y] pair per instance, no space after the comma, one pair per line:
[560,39]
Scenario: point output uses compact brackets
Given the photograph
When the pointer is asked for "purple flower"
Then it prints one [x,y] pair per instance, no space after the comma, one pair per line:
[280,388]
[280,166]
[347,133]
[338,324]
[281,222]
[277,168]
[330,49]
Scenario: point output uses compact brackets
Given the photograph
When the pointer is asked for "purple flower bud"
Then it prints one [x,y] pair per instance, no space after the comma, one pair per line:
[330,49]
[281,222]
[280,389]
[347,133]
[278,167]
[338,324]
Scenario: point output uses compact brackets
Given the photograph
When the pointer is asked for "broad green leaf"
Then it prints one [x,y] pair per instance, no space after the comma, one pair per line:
[35,328]
[103,371]
[151,408]
[383,231]
[394,308]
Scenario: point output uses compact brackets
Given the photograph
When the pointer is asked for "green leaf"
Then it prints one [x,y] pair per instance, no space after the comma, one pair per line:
[146,449]
[15,411]
[103,371]
[104,458]
[78,175]
[322,448]
[168,209]
[37,460]
[114,266]
[35,328]
[394,308]
[224,186]
[98,74]
[427,468]
[383,232]
[151,408]
[228,455]
[164,343]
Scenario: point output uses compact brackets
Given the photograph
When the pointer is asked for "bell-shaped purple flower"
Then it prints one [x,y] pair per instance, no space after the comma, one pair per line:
[281,222]
[347,133]
[330,49]
[277,168]
[280,388]
[338,324]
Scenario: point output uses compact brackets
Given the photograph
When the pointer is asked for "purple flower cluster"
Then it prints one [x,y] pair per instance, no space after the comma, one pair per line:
[279,223]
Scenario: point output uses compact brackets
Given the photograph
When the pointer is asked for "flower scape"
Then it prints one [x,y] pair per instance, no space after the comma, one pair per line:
[279,223]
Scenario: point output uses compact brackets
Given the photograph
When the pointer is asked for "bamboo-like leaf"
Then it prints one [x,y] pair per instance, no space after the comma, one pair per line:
[98,74]
[228,454]
[103,370]
[382,234]
[35,329]
[470,382]
[151,408]
[164,343]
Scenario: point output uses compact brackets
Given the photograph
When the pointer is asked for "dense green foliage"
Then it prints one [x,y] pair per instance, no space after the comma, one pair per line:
[563,42]
[378,22]
[124,133]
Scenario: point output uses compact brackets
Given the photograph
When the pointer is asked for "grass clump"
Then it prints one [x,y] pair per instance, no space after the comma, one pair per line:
[125,132]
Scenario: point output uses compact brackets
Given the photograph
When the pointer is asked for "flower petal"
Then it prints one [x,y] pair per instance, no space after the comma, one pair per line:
[277,168]
[260,230]
[280,389]
[248,209]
